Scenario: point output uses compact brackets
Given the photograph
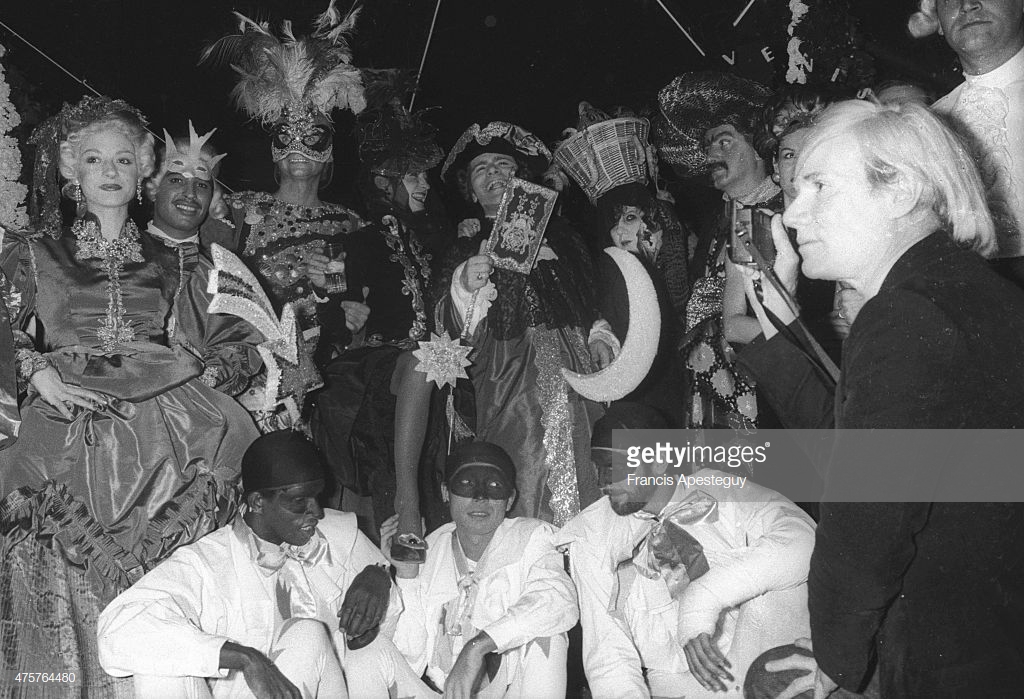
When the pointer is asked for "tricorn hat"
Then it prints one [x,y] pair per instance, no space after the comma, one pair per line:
[695,102]
[498,137]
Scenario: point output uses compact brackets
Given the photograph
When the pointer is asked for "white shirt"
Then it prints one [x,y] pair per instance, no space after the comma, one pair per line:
[523,593]
[174,620]
[758,547]
[988,109]
[173,242]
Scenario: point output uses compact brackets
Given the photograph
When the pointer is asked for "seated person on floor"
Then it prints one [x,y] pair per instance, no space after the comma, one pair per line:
[276,604]
[682,588]
[490,608]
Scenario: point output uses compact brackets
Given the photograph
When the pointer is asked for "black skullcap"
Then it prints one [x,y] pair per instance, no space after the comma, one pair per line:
[624,415]
[480,454]
[280,459]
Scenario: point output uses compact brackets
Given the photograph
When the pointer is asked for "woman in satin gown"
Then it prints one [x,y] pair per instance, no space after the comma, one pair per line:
[126,449]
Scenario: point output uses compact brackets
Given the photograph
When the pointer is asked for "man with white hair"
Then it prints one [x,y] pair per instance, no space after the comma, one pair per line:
[988,107]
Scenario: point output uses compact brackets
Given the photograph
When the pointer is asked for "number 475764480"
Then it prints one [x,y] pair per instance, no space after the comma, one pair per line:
[45,677]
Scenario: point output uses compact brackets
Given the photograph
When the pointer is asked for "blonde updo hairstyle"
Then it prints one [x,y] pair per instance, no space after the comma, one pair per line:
[124,123]
[925,21]
[907,141]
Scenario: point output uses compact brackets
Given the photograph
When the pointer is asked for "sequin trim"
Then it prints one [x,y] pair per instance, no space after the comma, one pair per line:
[411,286]
[113,330]
[559,454]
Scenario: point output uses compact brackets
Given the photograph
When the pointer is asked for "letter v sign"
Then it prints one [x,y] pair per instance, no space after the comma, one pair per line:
[731,60]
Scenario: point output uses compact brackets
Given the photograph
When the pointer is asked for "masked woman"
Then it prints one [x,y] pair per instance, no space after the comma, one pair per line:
[125,449]
[284,236]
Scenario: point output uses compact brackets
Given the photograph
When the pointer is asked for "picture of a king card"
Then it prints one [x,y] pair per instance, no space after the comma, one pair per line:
[519,227]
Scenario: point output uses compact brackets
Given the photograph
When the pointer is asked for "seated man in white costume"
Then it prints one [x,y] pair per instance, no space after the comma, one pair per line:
[278,604]
[681,589]
[487,613]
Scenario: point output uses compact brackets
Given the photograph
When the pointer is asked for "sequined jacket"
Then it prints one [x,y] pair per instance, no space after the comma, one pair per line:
[388,260]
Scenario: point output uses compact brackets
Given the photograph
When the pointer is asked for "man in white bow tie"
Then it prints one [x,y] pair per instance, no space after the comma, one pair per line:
[988,107]
[278,604]
[681,588]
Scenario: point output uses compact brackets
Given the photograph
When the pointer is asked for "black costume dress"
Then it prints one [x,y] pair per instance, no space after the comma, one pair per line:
[353,422]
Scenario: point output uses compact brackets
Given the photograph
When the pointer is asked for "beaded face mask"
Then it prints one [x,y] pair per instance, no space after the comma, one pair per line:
[307,132]
[190,161]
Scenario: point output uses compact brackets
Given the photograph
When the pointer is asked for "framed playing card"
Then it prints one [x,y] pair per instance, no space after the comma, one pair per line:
[519,227]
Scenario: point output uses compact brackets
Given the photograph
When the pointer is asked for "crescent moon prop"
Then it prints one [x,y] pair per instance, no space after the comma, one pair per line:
[626,372]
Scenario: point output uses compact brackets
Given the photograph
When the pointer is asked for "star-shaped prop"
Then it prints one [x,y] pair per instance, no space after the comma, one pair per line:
[443,359]
[286,351]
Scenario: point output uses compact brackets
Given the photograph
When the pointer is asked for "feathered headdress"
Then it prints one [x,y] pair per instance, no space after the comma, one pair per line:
[290,74]
[394,142]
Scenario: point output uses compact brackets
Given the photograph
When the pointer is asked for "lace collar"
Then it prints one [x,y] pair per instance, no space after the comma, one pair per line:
[92,244]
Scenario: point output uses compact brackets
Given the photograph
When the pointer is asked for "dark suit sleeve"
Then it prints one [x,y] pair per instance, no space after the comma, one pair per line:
[800,394]
[899,373]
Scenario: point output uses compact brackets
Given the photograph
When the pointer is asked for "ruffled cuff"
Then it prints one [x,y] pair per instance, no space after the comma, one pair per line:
[28,362]
[463,300]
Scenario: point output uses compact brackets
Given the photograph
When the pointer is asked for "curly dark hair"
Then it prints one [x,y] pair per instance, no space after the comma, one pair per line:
[792,108]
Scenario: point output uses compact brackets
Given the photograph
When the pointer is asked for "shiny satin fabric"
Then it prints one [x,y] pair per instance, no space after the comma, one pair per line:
[505,376]
[120,487]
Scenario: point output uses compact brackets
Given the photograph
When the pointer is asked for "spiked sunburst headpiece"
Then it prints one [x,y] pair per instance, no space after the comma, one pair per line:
[189,161]
[292,84]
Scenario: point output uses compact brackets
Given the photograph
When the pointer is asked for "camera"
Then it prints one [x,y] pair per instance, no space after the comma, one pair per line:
[750,227]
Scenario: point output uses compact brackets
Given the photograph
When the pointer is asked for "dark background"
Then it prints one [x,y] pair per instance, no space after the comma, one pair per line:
[527,61]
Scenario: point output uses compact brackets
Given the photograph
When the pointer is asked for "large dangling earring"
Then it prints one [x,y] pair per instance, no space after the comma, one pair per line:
[138,191]
[78,195]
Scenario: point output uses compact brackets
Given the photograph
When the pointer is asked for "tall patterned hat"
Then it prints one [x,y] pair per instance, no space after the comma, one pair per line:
[695,102]
[292,84]
[603,153]
[394,142]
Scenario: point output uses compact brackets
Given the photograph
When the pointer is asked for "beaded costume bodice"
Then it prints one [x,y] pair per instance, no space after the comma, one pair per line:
[277,237]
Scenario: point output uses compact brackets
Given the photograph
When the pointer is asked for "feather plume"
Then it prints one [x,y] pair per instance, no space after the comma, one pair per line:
[330,17]
[286,31]
[347,27]
[276,74]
